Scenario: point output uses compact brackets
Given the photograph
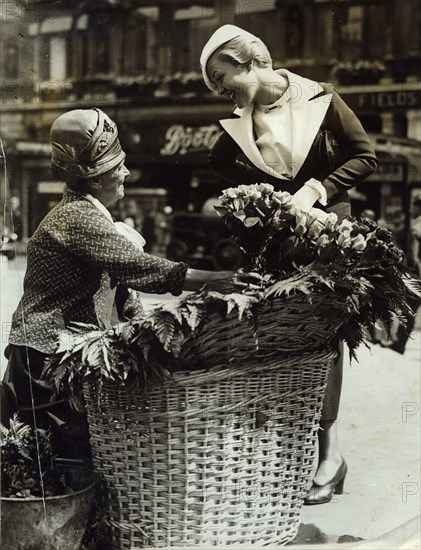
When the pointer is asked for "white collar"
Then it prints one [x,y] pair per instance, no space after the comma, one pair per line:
[308,115]
[98,204]
[128,232]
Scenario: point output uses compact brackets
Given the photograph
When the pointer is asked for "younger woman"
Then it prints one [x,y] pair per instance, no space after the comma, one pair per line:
[300,136]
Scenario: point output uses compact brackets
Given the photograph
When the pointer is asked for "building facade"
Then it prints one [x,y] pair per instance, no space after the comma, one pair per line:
[138,61]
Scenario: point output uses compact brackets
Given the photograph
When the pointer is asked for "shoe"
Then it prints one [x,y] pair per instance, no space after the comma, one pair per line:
[320,494]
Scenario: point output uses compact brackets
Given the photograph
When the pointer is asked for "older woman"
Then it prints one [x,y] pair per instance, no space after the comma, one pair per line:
[77,259]
[300,136]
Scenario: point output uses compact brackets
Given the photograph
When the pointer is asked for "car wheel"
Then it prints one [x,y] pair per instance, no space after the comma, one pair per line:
[177,251]
[227,255]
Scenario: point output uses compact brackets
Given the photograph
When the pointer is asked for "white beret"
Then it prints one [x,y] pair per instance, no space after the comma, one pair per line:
[220,36]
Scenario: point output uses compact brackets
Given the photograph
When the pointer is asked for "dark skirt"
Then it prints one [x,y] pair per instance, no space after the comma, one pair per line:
[35,403]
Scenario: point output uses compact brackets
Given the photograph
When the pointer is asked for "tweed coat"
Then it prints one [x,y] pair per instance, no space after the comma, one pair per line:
[328,144]
[74,260]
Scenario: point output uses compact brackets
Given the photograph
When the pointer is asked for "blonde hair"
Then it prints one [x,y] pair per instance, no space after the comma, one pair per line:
[240,51]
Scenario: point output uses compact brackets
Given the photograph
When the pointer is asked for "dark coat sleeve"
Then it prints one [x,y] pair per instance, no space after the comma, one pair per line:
[358,159]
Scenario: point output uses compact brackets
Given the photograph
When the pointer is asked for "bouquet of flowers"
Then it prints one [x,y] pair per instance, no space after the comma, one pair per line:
[355,257]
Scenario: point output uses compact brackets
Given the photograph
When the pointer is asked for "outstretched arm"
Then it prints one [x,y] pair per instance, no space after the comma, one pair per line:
[220,281]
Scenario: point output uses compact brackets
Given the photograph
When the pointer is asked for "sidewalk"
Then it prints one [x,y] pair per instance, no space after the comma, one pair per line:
[379,430]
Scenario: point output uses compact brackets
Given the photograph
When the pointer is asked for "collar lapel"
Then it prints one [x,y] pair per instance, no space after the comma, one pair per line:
[304,113]
[241,131]
[307,116]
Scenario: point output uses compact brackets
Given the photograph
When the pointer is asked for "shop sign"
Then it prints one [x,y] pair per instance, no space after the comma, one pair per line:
[387,100]
[181,139]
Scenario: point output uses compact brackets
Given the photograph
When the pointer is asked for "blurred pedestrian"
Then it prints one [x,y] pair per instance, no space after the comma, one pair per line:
[300,136]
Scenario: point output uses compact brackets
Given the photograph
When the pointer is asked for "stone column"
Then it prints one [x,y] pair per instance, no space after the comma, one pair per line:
[414,124]
[388,125]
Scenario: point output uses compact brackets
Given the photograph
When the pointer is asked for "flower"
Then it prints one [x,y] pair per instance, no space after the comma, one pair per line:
[331,221]
[184,78]
[359,242]
[355,257]
[143,79]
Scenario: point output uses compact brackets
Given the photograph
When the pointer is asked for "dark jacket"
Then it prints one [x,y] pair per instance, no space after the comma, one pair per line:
[328,144]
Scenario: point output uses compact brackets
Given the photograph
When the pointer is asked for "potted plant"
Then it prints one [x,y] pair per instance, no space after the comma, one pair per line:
[359,72]
[190,83]
[44,503]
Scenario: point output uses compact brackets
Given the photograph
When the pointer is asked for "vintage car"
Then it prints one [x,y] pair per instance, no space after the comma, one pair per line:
[203,242]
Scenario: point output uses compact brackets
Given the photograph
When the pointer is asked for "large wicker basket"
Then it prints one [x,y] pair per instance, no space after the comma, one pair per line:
[221,456]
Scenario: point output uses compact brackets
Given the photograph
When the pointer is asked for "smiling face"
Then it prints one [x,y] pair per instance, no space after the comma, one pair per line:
[236,82]
[111,184]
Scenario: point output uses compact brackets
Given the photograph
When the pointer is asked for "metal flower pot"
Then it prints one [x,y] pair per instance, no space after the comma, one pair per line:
[54,522]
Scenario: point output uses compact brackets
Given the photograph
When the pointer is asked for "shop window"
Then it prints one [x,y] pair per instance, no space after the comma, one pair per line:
[363,31]
[100,25]
[351,33]
[371,123]
[137,38]
[10,59]
[53,56]
[400,123]
[58,58]
[294,31]
[182,57]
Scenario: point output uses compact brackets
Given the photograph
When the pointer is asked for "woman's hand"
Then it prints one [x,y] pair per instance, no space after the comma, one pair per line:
[229,281]
[224,282]
[311,192]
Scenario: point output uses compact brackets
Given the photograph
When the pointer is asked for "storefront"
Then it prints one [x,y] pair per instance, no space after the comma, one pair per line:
[390,109]
[167,146]
[169,153]
[392,191]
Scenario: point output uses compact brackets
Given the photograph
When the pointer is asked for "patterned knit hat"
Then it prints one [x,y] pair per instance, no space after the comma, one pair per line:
[85,143]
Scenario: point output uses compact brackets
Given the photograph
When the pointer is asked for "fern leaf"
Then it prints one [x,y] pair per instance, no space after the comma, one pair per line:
[413,286]
[193,315]
[242,302]
[174,309]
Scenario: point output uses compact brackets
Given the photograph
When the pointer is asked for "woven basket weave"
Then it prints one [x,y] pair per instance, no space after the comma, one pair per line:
[222,456]
[290,326]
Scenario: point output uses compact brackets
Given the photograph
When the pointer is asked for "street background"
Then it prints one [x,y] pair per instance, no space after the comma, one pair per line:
[138,60]
[379,430]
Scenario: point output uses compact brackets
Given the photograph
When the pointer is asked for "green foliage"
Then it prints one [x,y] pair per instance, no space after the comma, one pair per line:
[26,462]
[350,273]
